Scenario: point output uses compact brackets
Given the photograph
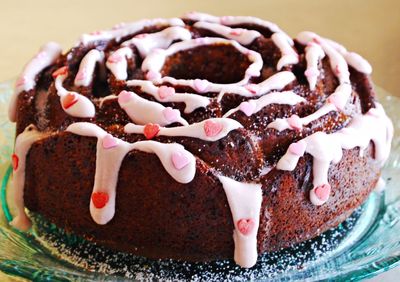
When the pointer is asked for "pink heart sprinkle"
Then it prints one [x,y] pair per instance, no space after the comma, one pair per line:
[115,58]
[165,92]
[153,75]
[200,85]
[179,160]
[337,101]
[142,35]
[212,128]
[298,148]
[252,88]
[311,72]
[171,114]
[124,97]
[81,75]
[109,142]
[236,32]
[245,225]
[295,122]
[322,192]
[248,107]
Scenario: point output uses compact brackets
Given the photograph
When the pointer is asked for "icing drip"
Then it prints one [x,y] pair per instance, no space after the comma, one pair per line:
[143,111]
[73,103]
[154,62]
[195,130]
[87,66]
[117,62]
[145,43]
[26,81]
[251,107]
[123,30]
[243,36]
[289,55]
[314,54]
[380,185]
[325,148]
[245,203]
[23,144]
[111,151]
[353,59]
[275,82]
[167,94]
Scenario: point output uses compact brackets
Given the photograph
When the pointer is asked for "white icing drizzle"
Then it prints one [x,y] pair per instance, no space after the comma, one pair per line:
[87,66]
[251,107]
[314,54]
[235,20]
[289,55]
[191,100]
[380,185]
[177,161]
[245,201]
[145,43]
[275,82]
[326,148]
[73,103]
[23,144]
[26,81]
[117,63]
[142,111]
[154,62]
[243,36]
[123,30]
[195,130]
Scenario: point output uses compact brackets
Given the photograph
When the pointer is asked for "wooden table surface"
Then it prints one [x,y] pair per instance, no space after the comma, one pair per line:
[369,27]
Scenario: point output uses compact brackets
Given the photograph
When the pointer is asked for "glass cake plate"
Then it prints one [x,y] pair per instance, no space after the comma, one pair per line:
[365,245]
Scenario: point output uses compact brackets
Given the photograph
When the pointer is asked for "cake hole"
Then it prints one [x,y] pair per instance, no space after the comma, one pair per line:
[220,63]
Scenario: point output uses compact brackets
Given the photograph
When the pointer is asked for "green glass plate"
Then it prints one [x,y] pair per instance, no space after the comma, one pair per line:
[366,244]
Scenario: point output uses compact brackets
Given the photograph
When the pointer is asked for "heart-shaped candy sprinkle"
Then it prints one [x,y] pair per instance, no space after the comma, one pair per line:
[337,101]
[151,130]
[14,161]
[109,142]
[212,128]
[152,75]
[171,115]
[100,199]
[115,58]
[124,97]
[311,72]
[298,148]
[69,100]
[295,122]
[245,225]
[81,75]
[252,88]
[200,85]
[179,160]
[236,32]
[60,71]
[248,107]
[165,92]
[322,192]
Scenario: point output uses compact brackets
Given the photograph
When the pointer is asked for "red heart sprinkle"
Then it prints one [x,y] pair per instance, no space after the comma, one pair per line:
[69,100]
[151,130]
[100,199]
[165,91]
[245,225]
[322,192]
[15,161]
[212,128]
[60,71]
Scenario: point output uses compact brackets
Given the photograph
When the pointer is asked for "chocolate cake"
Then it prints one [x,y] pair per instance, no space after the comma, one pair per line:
[196,138]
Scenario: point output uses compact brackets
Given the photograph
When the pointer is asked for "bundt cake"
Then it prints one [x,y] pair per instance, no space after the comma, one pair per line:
[196,138]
